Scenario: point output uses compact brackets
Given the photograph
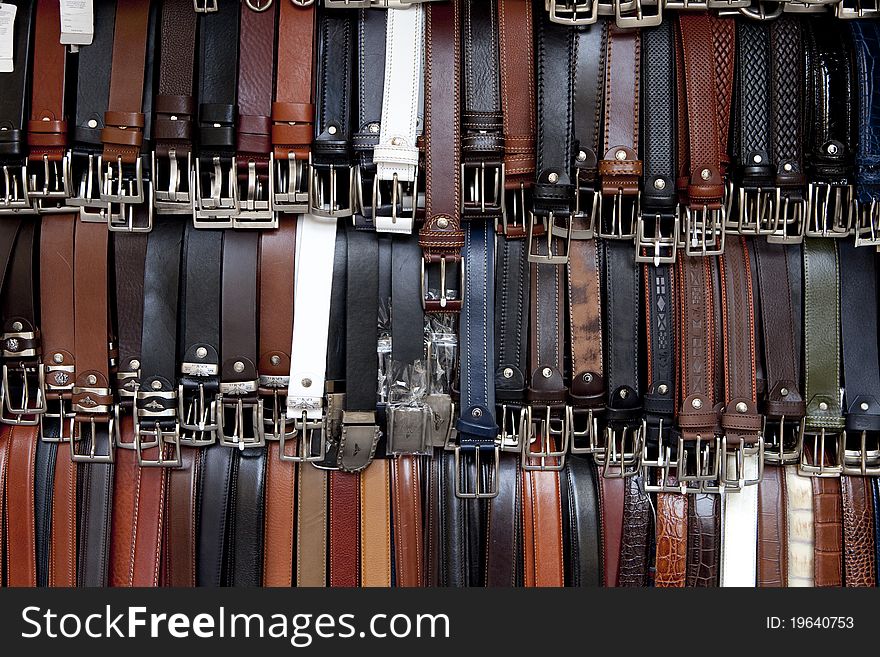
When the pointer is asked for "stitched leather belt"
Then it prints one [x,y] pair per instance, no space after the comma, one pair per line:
[866,39]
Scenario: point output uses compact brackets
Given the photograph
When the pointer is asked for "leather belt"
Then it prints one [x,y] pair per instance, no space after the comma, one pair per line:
[331,184]
[375,525]
[772,529]
[14,112]
[407,530]
[396,155]
[830,148]
[860,569]
[293,112]
[214,185]
[866,40]
[828,531]
[175,110]
[799,518]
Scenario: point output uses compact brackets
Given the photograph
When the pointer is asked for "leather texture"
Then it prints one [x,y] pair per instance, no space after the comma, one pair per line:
[671,562]
[801,533]
[772,529]
[704,540]
[828,532]
[860,568]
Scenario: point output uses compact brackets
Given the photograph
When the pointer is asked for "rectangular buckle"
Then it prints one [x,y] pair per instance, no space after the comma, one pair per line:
[550,230]
[855,9]
[408,430]
[514,213]
[214,195]
[866,222]
[623,451]
[254,200]
[541,429]
[640,19]
[687,5]
[198,417]
[657,461]
[705,454]
[231,398]
[31,376]
[442,431]
[449,299]
[48,179]
[57,410]
[587,210]
[14,197]
[782,440]
[347,4]
[129,217]
[511,417]
[791,221]
[273,390]
[146,438]
[204,6]
[482,489]
[827,202]
[78,437]
[171,183]
[357,443]
[622,223]
[325,188]
[735,451]
[659,246]
[482,193]
[573,12]
[757,211]
[864,461]
[583,425]
[119,186]
[814,462]
[704,231]
[86,174]
[304,441]
[290,190]
[403,198]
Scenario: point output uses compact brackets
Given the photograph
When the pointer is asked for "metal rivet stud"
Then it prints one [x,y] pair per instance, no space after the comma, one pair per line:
[787,166]
[705,174]
[620,155]
[58,358]
[134,364]
[587,377]
[156,385]
[757,159]
[374,128]
[582,156]
[864,406]
[238,366]
[201,352]
[92,379]
[92,123]
[395,141]
[17,326]
[697,403]
[783,392]
[663,388]
[476,413]
[507,373]
[306,383]
[442,222]
[741,407]
[823,406]
[332,130]
[275,360]
[547,372]
[832,149]
[553,177]
[623,393]
[659,183]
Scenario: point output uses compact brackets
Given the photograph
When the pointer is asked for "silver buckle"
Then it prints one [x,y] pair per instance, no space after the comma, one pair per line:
[403,195]
[303,435]
[480,490]
[231,399]
[734,479]
[791,222]
[573,12]
[867,222]
[551,230]
[815,462]
[659,467]
[273,390]
[704,231]
[254,201]
[623,224]
[117,186]
[58,410]
[131,218]
[14,198]
[290,189]
[660,247]
[757,211]
[324,190]
[509,427]
[828,202]
[539,429]
[757,10]
[705,454]
[621,457]
[782,441]
[482,198]
[92,455]
[24,414]
[687,5]
[864,461]
[161,408]
[358,439]
[408,430]
[512,223]
[86,171]
[198,418]
[586,430]
[204,6]
[48,180]
[447,302]
[213,209]
[640,19]
[171,184]
[857,10]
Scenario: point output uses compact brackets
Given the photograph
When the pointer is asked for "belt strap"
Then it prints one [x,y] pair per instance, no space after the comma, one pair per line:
[704,539]
[828,531]
[215,477]
[866,40]
[375,525]
[772,529]
[858,532]
[21,548]
[344,553]
[799,517]
[407,530]
[311,520]
[581,523]
[441,237]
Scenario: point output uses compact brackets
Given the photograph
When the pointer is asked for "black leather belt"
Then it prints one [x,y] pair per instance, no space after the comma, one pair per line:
[331,190]
[866,40]
[215,177]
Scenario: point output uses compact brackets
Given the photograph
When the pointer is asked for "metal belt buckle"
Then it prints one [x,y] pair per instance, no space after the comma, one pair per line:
[763,10]
[408,429]
[727,4]
[357,443]
[129,217]
[805,7]
[198,416]
[171,183]
[514,215]
[204,6]
[687,5]
[623,451]
[587,211]
[154,410]
[347,4]
[829,202]
[232,398]
[540,428]
[704,231]
[508,428]
[482,189]
[481,489]
[33,386]
[573,12]
[442,431]
[864,460]
[49,180]
[737,449]
[402,195]
[640,19]
[85,171]
[782,440]
[77,436]
[14,194]
[856,9]
[254,199]
[304,438]
[449,300]
[757,211]
[583,424]
[660,246]
[273,390]
[59,386]
[867,222]
[118,185]
[325,188]
[657,461]
[791,221]
[623,221]
[290,189]
[211,208]
[815,462]
[705,454]
[551,230]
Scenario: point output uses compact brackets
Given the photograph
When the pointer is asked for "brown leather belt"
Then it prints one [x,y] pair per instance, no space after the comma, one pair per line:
[860,568]
[772,529]
[375,524]
[344,523]
[311,526]
[408,530]
[828,532]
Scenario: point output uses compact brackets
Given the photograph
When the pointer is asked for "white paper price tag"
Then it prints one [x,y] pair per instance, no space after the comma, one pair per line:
[77,22]
[7,36]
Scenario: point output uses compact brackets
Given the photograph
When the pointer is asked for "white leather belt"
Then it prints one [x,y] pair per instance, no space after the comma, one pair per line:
[739,529]
[801,541]
[397,154]
[315,247]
